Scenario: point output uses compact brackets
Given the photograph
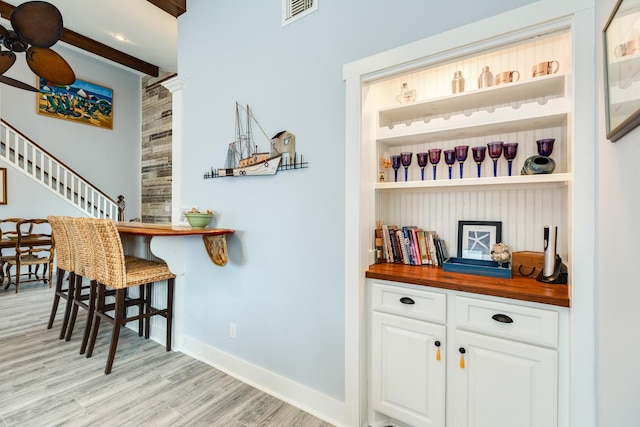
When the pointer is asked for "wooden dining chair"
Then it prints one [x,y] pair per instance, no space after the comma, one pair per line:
[8,231]
[64,265]
[118,272]
[34,247]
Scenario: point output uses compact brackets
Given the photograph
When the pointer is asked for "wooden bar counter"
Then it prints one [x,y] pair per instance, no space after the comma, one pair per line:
[214,238]
[518,287]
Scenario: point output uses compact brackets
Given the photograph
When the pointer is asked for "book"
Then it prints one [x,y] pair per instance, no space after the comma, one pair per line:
[432,247]
[443,248]
[403,246]
[386,244]
[422,243]
[395,247]
[415,241]
[407,232]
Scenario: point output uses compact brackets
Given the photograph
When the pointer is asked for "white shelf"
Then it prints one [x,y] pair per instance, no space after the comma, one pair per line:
[552,180]
[507,119]
[551,86]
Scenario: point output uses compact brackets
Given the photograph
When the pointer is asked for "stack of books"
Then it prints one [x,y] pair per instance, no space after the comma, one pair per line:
[409,245]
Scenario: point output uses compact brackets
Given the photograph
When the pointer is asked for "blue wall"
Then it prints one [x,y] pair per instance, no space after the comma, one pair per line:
[284,285]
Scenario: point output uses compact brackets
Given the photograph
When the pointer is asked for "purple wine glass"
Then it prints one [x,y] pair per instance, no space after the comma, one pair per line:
[423,159]
[510,150]
[395,164]
[461,155]
[450,159]
[478,155]
[434,158]
[406,162]
[495,151]
[545,146]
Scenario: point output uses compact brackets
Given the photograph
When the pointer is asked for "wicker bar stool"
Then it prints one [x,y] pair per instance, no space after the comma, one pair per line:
[84,264]
[64,265]
[114,271]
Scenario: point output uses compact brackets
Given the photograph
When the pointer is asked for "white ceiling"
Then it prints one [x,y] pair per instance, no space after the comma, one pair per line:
[152,33]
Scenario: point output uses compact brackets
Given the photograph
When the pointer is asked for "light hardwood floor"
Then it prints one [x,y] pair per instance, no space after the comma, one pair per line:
[44,381]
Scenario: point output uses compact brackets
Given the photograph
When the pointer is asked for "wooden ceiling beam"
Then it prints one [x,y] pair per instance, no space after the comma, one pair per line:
[95,47]
[107,52]
[172,7]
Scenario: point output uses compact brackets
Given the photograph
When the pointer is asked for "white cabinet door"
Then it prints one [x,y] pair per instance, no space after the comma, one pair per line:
[504,383]
[407,379]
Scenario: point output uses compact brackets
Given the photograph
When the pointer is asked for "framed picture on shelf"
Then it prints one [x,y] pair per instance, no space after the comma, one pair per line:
[621,47]
[475,238]
[3,186]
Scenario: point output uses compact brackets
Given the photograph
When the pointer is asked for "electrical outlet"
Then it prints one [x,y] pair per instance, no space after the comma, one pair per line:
[232,330]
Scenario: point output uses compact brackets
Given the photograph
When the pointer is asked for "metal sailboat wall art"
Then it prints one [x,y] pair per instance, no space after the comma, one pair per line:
[245,158]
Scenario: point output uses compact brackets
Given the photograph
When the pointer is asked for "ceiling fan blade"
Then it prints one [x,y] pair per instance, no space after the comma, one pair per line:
[17,83]
[7,59]
[52,67]
[38,23]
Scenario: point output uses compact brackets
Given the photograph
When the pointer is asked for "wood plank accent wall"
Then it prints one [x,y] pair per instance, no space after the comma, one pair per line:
[156,150]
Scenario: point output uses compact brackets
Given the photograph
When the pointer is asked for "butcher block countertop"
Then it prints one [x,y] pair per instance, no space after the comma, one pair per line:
[148,229]
[518,287]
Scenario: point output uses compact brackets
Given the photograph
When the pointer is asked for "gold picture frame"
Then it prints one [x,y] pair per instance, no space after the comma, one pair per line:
[621,48]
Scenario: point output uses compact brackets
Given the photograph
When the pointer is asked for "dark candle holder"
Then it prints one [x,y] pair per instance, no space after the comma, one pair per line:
[495,151]
[434,159]
[479,155]
[395,164]
[510,151]
[450,159]
[462,152]
[423,159]
[405,158]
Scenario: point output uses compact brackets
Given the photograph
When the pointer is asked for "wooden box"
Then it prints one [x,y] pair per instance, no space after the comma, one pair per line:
[527,263]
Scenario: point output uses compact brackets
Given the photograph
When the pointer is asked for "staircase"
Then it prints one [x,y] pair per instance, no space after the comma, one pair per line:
[35,162]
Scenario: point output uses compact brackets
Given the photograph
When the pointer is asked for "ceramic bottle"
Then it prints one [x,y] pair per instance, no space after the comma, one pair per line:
[457,84]
[486,78]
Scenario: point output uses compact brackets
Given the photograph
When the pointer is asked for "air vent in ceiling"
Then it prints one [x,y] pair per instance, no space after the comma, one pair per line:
[293,10]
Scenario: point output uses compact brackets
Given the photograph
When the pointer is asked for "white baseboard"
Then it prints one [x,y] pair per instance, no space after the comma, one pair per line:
[309,400]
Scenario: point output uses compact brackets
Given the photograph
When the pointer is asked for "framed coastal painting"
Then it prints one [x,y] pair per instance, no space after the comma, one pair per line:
[621,46]
[81,102]
[475,238]
[3,186]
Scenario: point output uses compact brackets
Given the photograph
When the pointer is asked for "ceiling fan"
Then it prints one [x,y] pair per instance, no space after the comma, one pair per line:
[37,25]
